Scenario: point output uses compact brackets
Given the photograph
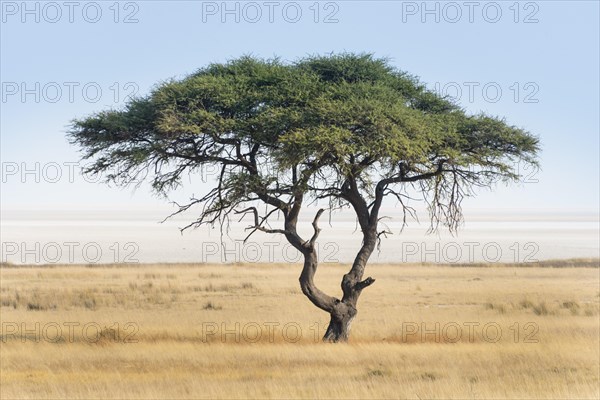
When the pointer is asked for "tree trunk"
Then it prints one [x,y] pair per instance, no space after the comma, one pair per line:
[342,312]
[340,323]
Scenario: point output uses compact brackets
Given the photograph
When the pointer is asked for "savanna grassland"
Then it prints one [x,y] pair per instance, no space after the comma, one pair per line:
[246,331]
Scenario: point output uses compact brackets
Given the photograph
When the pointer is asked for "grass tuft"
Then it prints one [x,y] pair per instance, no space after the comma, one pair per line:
[211,306]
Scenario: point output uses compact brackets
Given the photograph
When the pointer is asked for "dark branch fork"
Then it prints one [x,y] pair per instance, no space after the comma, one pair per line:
[342,311]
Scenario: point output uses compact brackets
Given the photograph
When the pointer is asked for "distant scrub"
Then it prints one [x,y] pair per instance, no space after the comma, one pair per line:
[211,306]
[572,306]
[541,309]
[568,263]
[501,308]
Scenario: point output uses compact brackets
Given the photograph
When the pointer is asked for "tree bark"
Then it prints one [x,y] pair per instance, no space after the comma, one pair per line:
[340,323]
[342,312]
[310,290]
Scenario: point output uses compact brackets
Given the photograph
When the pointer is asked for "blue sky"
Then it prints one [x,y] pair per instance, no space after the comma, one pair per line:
[543,56]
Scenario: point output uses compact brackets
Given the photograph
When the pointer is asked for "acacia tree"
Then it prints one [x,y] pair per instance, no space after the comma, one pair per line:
[347,128]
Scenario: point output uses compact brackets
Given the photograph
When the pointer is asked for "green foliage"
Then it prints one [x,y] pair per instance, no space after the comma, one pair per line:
[313,126]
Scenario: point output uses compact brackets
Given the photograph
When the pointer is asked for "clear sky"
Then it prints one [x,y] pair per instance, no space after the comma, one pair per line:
[535,63]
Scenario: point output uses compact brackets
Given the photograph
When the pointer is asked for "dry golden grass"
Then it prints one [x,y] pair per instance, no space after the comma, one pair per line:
[548,318]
